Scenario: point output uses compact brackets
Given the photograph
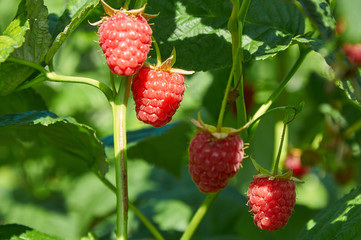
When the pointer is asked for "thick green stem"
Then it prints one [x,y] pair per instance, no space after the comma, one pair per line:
[52,76]
[119,109]
[198,216]
[281,86]
[139,214]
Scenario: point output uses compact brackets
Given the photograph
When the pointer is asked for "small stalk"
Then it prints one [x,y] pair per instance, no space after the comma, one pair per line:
[52,76]
[198,216]
[281,86]
[119,109]
[139,214]
[157,51]
[275,167]
[27,63]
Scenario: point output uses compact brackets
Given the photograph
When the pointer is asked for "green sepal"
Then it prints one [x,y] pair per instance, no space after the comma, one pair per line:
[221,134]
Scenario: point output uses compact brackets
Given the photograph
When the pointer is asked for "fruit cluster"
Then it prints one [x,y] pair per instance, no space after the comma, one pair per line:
[125,38]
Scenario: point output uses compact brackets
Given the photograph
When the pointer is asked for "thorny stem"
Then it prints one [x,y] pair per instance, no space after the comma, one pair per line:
[119,108]
[139,214]
[198,216]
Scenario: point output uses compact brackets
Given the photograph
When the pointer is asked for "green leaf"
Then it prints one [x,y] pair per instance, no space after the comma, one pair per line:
[22,101]
[352,87]
[13,37]
[320,14]
[75,12]
[78,141]
[342,220]
[195,27]
[34,49]
[18,232]
[165,151]
[348,12]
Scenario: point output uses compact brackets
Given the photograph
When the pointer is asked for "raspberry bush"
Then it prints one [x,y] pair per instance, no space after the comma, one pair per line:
[98,137]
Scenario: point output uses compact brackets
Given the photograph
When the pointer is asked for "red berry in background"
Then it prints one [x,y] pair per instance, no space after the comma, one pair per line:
[271,202]
[125,38]
[353,53]
[293,162]
[157,95]
[213,161]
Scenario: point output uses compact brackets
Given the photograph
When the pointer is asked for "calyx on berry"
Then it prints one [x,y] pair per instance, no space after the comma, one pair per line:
[111,11]
[167,65]
[217,133]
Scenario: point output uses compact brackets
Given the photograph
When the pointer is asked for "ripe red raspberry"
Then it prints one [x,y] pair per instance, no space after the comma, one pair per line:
[125,39]
[213,161]
[293,162]
[353,53]
[271,202]
[157,95]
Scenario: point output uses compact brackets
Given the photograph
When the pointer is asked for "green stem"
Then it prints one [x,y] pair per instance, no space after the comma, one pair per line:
[275,167]
[135,210]
[157,51]
[198,216]
[254,121]
[224,101]
[52,76]
[40,78]
[27,63]
[281,86]
[114,88]
[119,108]
[126,4]
[352,129]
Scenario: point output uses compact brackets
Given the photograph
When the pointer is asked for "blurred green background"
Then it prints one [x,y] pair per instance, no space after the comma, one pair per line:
[69,202]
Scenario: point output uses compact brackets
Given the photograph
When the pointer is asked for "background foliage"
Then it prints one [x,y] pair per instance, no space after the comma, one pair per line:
[53,136]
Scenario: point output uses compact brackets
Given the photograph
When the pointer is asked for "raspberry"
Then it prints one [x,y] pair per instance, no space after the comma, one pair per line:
[157,95]
[294,162]
[271,202]
[353,53]
[213,161]
[125,39]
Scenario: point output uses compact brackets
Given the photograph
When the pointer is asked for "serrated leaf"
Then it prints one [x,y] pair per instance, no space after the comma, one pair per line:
[320,14]
[34,49]
[75,12]
[342,220]
[195,27]
[78,141]
[18,232]
[13,37]
[352,87]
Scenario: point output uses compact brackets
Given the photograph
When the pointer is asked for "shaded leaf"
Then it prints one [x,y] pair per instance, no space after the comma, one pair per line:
[22,101]
[77,140]
[75,12]
[164,151]
[320,14]
[18,232]
[13,37]
[194,28]
[34,49]
[342,220]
